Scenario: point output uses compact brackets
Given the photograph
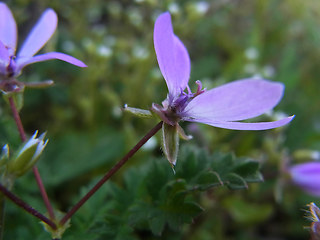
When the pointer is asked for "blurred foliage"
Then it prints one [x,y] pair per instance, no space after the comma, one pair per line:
[88,132]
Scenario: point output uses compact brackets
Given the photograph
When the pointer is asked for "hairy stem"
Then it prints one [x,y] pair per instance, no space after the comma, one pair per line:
[111,172]
[22,133]
[26,207]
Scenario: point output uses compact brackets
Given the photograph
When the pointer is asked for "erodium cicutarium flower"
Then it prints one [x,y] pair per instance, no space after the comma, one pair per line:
[222,107]
[12,64]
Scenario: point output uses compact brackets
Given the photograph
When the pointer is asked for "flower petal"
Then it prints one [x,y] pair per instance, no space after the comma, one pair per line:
[307,176]
[40,34]
[244,125]
[8,28]
[238,100]
[4,58]
[172,56]
[22,62]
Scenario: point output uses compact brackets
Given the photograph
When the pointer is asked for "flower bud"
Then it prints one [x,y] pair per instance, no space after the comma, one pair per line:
[27,156]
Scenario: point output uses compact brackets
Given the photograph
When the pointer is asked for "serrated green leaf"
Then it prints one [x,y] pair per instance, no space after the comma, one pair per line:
[156,178]
[209,179]
[222,163]
[192,163]
[174,187]
[235,182]
[249,170]
[246,168]
[140,212]
[157,223]
[182,214]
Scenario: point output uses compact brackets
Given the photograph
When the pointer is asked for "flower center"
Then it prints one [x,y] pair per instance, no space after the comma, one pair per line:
[8,71]
[172,110]
[11,67]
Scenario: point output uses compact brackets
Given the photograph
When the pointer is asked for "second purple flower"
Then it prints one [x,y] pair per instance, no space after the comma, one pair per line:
[12,64]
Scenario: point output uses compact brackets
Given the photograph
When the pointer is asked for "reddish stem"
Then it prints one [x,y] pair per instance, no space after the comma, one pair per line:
[22,133]
[17,119]
[43,192]
[112,171]
[27,207]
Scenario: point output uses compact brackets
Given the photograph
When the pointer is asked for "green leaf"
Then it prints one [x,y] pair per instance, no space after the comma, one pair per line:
[192,163]
[181,214]
[76,155]
[209,179]
[222,163]
[249,170]
[235,181]
[157,222]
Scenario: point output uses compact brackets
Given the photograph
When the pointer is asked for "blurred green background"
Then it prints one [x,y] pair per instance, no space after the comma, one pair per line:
[88,132]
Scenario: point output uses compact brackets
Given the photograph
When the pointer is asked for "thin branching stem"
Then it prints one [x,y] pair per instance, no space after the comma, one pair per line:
[43,192]
[111,172]
[17,119]
[22,133]
[26,207]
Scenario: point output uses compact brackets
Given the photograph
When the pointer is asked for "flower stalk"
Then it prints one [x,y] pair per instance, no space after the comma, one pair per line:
[17,119]
[36,173]
[26,207]
[111,172]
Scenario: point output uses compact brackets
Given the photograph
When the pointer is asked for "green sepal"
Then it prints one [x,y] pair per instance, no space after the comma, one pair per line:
[182,134]
[57,233]
[170,143]
[138,112]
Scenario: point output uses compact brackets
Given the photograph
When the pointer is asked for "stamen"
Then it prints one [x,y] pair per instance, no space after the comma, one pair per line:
[11,67]
[189,90]
[199,89]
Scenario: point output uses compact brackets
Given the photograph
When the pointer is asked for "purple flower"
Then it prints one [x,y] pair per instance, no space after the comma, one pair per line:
[307,177]
[222,107]
[11,64]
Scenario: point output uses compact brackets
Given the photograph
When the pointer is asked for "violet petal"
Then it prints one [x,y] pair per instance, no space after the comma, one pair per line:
[244,125]
[307,176]
[40,34]
[172,56]
[235,101]
[22,62]
[4,57]
[8,28]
